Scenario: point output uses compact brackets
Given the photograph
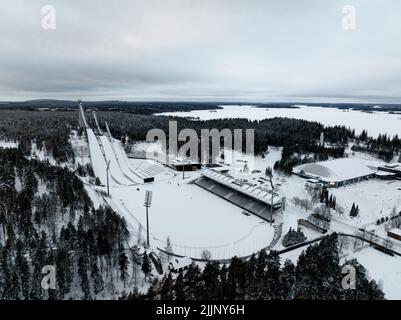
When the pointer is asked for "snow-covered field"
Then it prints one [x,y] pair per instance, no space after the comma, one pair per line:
[194,219]
[375,123]
[375,198]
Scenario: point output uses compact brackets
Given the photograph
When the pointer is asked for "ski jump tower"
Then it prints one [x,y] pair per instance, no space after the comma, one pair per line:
[96,122]
[82,120]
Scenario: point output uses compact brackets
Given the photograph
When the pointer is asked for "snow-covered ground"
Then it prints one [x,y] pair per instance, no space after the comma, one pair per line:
[383,268]
[375,123]
[194,219]
[8,144]
[375,198]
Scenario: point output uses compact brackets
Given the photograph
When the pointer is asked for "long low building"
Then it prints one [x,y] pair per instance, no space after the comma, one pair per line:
[394,169]
[254,199]
[336,173]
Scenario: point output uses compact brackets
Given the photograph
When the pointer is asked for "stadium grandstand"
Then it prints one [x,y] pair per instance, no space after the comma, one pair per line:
[254,199]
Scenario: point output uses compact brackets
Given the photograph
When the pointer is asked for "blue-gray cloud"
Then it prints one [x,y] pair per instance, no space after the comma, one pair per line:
[201,49]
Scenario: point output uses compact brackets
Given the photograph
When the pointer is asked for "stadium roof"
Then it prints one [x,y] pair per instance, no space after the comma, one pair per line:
[335,170]
[246,188]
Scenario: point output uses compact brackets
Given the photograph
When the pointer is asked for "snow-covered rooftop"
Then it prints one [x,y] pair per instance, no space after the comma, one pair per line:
[395,231]
[385,173]
[393,167]
[243,187]
[336,170]
[178,263]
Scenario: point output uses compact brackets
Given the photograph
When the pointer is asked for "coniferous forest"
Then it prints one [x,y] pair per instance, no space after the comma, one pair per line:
[47,218]
[317,275]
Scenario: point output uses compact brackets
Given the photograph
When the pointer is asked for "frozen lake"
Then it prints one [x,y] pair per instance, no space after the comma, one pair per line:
[375,123]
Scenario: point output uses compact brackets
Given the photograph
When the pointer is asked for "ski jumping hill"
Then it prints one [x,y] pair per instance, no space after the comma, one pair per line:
[103,151]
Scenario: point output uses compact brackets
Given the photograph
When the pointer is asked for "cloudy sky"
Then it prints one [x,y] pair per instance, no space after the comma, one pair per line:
[219,50]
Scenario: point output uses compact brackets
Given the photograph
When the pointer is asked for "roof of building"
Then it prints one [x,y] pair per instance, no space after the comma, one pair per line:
[385,173]
[395,231]
[335,170]
[179,263]
[393,167]
[256,192]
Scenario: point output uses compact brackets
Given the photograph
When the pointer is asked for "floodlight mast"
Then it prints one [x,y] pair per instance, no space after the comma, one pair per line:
[148,202]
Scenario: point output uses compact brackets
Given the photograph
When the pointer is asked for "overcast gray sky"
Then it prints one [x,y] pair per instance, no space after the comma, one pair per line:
[220,50]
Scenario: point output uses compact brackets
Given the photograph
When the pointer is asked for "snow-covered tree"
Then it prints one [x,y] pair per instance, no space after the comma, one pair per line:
[168,249]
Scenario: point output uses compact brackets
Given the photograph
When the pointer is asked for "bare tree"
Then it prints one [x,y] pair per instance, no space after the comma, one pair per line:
[340,210]
[314,194]
[168,248]
[206,255]
[322,211]
[343,243]
[305,204]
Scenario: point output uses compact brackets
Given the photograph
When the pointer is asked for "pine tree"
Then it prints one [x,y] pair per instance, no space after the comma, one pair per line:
[272,275]
[261,264]
[268,172]
[168,248]
[83,274]
[5,270]
[179,292]
[210,277]
[123,264]
[98,283]
[192,281]
[62,270]
[146,266]
[354,210]
[334,204]
[22,269]
[287,281]
[166,291]
[236,278]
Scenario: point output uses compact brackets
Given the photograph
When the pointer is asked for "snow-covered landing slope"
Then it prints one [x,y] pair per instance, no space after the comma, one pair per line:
[119,154]
[115,170]
[123,161]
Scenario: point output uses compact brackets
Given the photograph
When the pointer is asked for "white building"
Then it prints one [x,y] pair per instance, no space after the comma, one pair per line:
[179,264]
[336,173]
